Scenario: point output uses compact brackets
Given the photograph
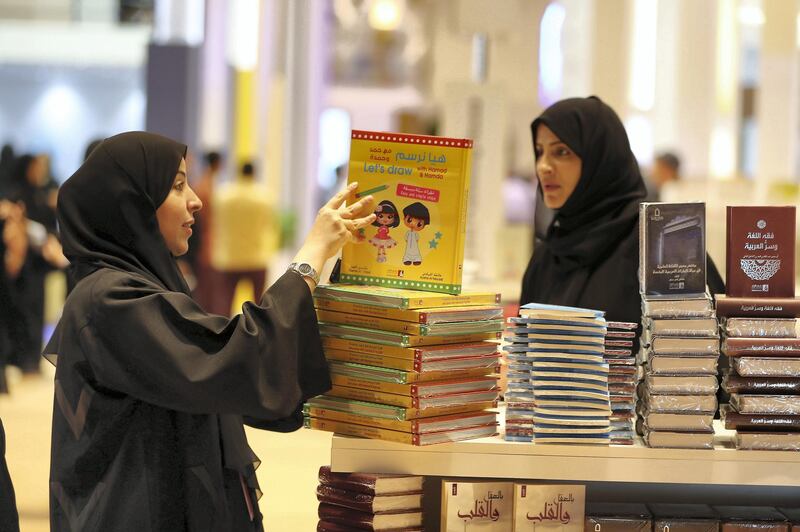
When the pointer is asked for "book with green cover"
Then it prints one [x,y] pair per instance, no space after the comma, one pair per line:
[418,329]
[429,316]
[400,339]
[391,412]
[401,298]
[384,374]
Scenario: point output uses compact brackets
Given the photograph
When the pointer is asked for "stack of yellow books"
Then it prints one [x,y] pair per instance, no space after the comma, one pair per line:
[408,366]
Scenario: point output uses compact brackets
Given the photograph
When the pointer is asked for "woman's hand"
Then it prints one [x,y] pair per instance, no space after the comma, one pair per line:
[336,224]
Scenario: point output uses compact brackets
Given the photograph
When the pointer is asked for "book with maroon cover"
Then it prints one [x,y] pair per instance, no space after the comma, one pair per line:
[757,307]
[761,422]
[763,347]
[761,385]
[370,483]
[760,252]
[369,521]
[794,517]
[327,526]
[672,249]
[365,502]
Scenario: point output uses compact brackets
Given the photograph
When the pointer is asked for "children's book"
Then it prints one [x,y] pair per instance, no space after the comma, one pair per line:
[421,186]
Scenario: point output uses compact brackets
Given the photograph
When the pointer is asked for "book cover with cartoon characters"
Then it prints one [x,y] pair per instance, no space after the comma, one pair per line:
[420,184]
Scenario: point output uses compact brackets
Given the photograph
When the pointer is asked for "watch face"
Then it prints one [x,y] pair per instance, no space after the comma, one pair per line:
[304,268]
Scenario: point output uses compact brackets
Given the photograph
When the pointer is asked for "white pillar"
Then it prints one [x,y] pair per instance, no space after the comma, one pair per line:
[778,93]
[306,59]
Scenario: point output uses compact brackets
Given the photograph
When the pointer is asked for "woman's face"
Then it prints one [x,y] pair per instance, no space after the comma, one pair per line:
[557,167]
[176,215]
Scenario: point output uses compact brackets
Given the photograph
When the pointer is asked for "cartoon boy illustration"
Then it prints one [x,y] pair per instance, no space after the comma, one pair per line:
[415,217]
[386,217]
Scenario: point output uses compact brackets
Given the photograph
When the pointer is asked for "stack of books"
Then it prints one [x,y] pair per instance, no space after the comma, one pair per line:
[562,348]
[368,501]
[408,366]
[680,340]
[623,375]
[760,325]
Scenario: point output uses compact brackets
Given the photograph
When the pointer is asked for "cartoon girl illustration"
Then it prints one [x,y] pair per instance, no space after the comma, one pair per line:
[387,217]
[415,217]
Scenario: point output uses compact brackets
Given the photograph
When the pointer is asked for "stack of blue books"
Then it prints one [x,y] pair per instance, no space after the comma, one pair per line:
[566,395]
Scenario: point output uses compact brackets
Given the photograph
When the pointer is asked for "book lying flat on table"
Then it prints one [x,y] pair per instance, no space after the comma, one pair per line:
[400,298]
[374,433]
[419,329]
[762,347]
[766,404]
[767,441]
[679,440]
[732,383]
[390,412]
[369,521]
[416,402]
[678,422]
[679,403]
[418,389]
[674,365]
[428,316]
[762,328]
[699,306]
[401,339]
[682,385]
[757,307]
[748,366]
[327,526]
[370,483]
[682,326]
[423,353]
[423,368]
[416,426]
[365,502]
[407,377]
[758,422]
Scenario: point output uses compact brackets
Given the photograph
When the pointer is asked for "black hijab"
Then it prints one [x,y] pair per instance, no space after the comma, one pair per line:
[107,209]
[604,207]
[605,203]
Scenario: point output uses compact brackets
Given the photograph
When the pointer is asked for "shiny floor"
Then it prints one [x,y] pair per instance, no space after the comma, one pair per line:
[287,474]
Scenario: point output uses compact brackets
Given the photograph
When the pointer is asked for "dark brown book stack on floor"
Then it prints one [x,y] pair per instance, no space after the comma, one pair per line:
[761,329]
[408,366]
[369,501]
[680,339]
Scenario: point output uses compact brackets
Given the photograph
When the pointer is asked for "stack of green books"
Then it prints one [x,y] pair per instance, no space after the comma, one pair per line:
[408,366]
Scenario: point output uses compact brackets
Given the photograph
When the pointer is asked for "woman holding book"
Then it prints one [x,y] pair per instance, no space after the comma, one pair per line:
[589,176]
[150,390]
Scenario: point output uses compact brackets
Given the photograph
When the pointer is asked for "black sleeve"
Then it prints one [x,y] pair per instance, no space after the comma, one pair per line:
[162,348]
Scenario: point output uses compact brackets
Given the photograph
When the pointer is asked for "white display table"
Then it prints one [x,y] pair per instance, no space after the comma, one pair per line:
[496,458]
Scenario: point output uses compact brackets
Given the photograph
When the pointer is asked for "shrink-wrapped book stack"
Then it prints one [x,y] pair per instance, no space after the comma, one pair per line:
[408,366]
[565,398]
[369,501]
[680,341]
[623,375]
[761,332]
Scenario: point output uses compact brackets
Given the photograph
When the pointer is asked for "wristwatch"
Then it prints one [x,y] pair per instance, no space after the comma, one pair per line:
[306,270]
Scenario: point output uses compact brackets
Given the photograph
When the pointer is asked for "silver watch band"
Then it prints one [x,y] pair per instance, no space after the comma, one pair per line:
[306,270]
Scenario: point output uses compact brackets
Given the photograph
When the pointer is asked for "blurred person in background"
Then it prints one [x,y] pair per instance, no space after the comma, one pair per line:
[665,173]
[31,189]
[6,169]
[151,391]
[243,213]
[202,241]
[13,248]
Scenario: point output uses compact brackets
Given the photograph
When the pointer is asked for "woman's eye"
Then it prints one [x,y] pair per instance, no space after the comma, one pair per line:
[179,187]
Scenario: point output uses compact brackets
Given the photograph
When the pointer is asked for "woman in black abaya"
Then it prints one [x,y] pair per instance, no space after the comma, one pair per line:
[150,390]
[589,176]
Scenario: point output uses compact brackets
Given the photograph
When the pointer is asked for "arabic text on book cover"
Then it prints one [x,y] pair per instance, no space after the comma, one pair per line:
[420,184]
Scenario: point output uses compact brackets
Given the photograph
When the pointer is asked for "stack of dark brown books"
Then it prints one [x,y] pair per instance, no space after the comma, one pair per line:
[369,501]
[621,347]
[408,366]
[680,339]
[761,329]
